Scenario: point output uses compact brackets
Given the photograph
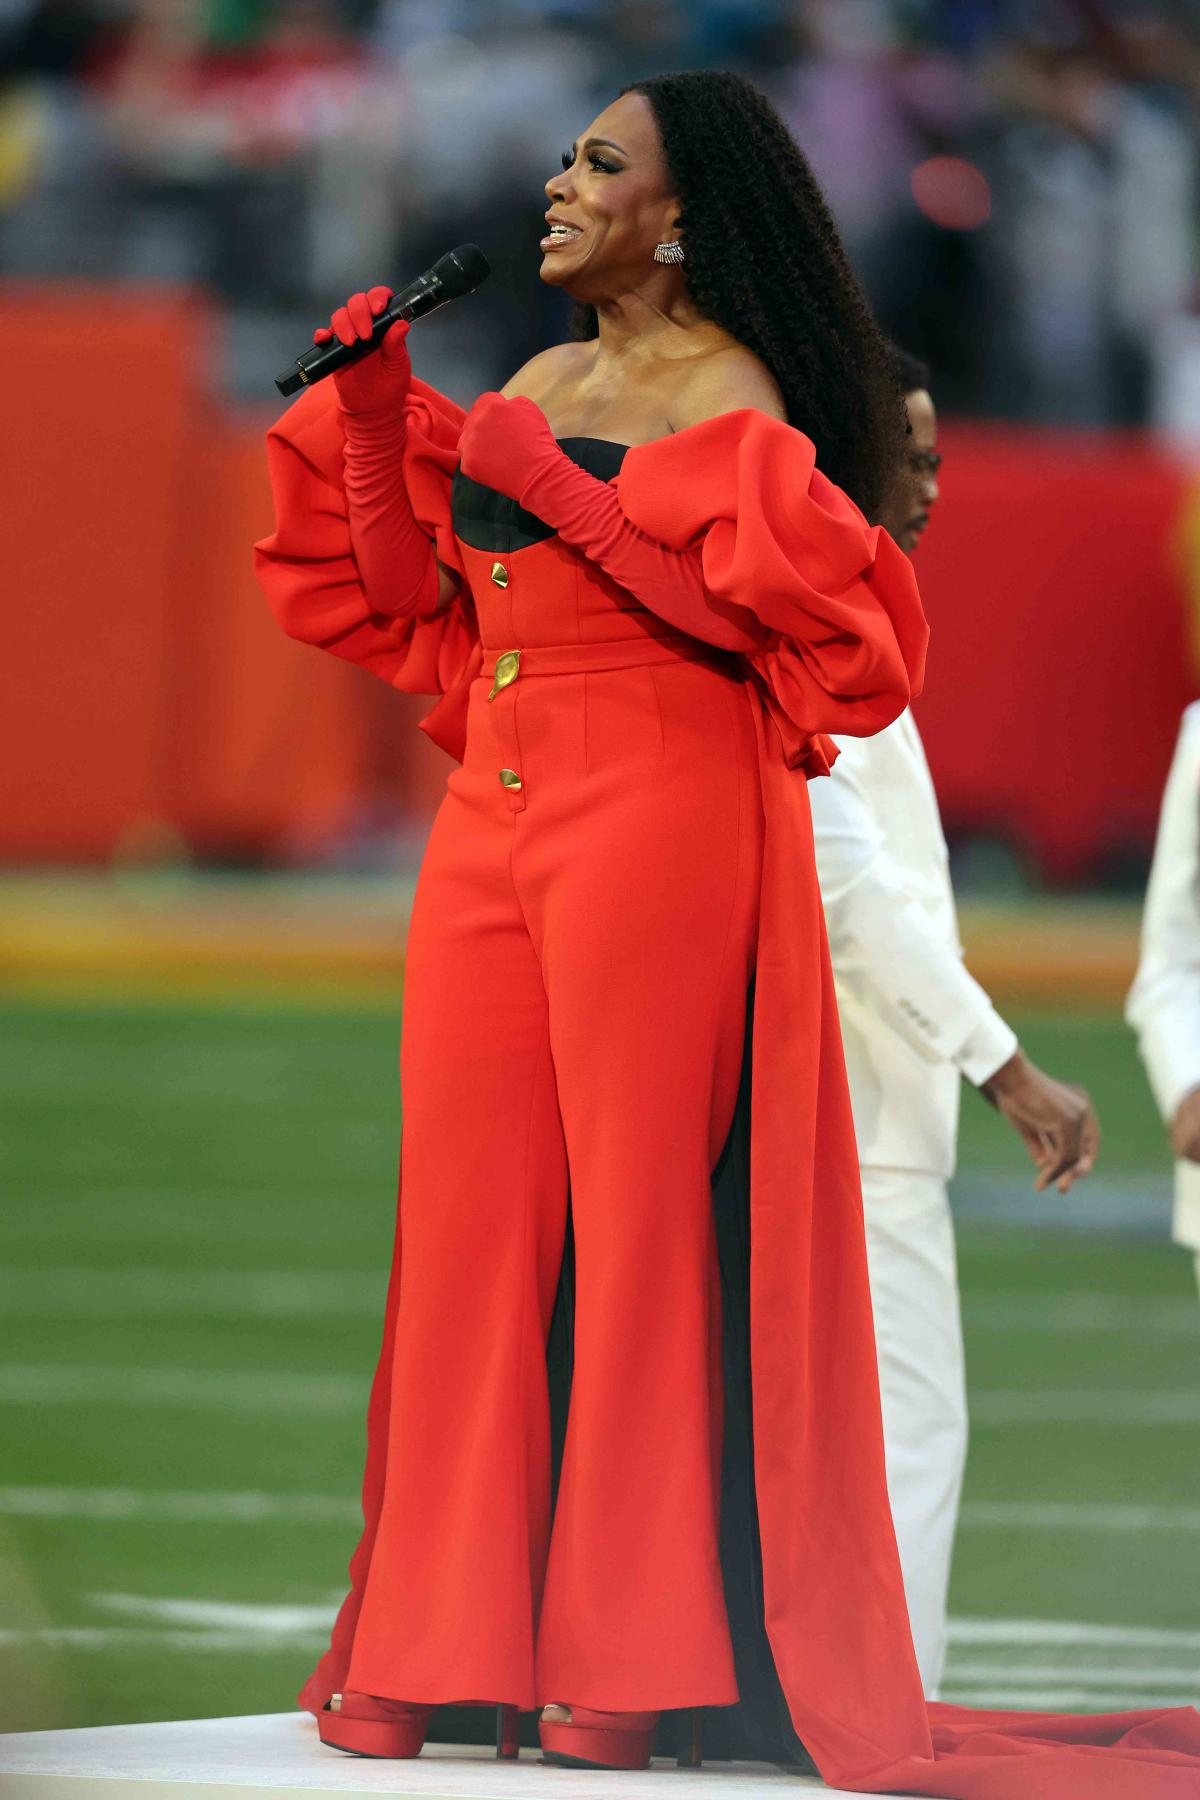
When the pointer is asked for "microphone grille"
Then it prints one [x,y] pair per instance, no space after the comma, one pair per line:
[461,271]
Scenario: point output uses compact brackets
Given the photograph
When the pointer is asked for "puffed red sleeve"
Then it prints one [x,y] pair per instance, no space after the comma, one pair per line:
[843,647]
[307,568]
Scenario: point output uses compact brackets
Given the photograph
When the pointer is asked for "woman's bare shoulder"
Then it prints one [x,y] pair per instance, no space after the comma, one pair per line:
[535,377]
[732,377]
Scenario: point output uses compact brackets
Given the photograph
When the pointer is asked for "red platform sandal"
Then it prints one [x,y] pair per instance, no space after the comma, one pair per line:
[577,1737]
[369,1725]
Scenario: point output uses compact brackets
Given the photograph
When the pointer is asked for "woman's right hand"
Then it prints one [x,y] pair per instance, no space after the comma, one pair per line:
[380,382]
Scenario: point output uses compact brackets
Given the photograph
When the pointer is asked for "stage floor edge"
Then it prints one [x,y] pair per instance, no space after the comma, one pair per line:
[275,1754]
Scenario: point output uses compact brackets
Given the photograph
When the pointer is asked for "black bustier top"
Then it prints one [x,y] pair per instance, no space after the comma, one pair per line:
[487,520]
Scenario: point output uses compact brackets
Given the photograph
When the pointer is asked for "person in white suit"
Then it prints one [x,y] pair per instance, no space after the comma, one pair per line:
[915,1023]
[1164,1002]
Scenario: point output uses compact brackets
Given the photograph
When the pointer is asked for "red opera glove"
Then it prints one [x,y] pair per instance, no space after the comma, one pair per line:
[396,560]
[508,445]
[379,383]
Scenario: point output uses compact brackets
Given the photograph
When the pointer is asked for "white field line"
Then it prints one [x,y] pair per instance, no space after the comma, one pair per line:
[172,1504]
[108,1197]
[107,1638]
[163,1215]
[1107,1676]
[1060,1665]
[998,1692]
[209,1626]
[1063,1699]
[252,1507]
[1094,1406]
[175,1088]
[1079,1312]
[1023,1634]
[155,1293]
[114,1640]
[1066,1515]
[1168,1669]
[283,1293]
[64,1384]
[1010,1677]
[221,1615]
[50,1384]
[977,1665]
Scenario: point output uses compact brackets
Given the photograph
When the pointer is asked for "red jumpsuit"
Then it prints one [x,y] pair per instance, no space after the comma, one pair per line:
[624,849]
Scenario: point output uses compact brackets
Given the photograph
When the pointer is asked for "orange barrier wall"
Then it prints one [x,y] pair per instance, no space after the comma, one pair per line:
[147,693]
[1058,574]
[149,697]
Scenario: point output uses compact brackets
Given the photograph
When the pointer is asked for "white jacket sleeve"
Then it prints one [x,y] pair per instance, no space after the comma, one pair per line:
[1164,1002]
[883,942]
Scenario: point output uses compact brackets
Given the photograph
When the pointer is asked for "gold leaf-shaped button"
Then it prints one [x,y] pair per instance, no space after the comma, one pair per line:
[499,574]
[508,667]
[510,779]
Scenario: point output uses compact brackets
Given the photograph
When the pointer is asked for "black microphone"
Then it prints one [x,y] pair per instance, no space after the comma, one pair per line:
[458,272]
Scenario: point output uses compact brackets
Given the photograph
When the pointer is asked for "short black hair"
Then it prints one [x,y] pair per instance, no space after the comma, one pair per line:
[911,373]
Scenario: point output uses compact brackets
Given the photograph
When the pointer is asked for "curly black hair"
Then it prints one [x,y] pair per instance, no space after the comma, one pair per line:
[911,372]
[764,260]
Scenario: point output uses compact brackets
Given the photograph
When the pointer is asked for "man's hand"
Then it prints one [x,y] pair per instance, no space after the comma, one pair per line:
[1185,1127]
[1055,1118]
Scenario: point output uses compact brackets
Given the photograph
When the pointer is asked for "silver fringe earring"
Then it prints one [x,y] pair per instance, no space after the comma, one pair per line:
[669,253]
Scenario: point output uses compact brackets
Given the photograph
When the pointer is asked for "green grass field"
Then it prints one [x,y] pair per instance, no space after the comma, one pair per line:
[197,1221]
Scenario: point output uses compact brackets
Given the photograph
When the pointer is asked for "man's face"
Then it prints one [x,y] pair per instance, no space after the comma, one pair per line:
[905,513]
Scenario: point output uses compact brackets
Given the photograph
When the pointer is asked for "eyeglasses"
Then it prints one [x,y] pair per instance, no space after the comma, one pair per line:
[924,462]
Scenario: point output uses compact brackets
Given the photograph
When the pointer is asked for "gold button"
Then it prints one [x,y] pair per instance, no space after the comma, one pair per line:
[499,574]
[508,667]
[510,779]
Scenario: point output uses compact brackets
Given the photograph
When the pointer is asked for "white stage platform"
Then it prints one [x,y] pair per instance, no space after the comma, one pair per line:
[274,1754]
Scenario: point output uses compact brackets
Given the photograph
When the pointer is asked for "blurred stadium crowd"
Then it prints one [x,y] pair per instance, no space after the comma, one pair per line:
[283,152]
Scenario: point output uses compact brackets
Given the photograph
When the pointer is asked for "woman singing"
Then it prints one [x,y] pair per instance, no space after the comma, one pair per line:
[641,582]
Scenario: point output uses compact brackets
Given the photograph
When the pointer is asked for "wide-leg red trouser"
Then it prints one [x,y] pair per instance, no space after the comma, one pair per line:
[578,965]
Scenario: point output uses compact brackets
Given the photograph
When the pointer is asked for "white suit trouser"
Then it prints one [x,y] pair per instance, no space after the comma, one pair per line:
[918,1330]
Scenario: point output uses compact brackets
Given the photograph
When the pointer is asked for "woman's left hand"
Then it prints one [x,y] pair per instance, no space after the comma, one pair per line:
[506,444]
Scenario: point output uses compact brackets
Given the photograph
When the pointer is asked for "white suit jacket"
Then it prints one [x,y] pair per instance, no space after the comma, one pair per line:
[1164,1002]
[913,1020]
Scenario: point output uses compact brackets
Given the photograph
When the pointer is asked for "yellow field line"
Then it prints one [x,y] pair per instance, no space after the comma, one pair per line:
[1040,952]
